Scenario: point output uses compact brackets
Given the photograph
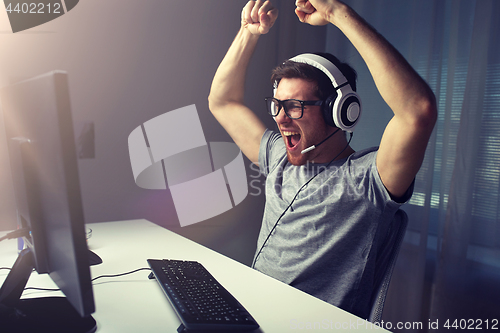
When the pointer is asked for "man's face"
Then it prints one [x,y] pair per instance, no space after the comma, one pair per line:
[302,133]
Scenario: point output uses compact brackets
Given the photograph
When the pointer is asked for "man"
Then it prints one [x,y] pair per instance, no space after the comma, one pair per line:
[327,209]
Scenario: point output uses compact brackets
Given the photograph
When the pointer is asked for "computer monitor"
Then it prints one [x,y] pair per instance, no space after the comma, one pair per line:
[42,152]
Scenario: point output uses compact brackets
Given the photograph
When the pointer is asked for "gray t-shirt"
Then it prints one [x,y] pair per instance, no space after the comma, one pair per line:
[326,243]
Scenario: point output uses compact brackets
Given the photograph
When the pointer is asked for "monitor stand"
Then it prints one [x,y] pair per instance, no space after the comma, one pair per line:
[94,259]
[44,314]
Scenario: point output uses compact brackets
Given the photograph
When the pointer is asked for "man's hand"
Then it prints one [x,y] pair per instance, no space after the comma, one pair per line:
[316,12]
[258,17]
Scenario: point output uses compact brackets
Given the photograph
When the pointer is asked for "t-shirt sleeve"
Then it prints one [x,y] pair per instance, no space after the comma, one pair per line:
[272,150]
[364,175]
[395,202]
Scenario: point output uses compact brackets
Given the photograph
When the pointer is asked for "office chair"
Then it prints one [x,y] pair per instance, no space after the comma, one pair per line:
[385,264]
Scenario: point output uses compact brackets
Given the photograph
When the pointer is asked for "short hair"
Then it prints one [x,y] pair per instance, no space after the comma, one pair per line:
[324,87]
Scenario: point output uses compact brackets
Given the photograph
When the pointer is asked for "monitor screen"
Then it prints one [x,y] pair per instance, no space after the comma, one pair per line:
[40,137]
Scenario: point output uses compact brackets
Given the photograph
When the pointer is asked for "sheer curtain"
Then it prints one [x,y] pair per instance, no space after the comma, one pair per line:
[448,272]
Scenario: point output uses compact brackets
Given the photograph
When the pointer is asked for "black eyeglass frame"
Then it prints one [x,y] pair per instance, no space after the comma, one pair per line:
[281,105]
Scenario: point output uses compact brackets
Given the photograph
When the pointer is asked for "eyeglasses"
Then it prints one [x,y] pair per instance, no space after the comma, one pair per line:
[294,108]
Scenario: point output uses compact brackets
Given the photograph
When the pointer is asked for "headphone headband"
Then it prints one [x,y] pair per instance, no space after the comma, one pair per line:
[324,65]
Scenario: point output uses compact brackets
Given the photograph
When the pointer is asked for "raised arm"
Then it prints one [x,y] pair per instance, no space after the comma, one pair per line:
[226,94]
[405,138]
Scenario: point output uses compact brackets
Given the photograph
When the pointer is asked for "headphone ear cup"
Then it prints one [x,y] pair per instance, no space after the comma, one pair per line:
[347,111]
[328,109]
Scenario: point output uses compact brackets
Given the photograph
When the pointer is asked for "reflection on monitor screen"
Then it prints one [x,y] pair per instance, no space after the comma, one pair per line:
[40,137]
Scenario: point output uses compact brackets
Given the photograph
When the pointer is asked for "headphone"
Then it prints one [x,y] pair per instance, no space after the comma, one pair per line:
[342,109]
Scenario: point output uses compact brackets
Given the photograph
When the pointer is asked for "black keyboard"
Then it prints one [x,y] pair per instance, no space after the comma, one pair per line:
[201,303]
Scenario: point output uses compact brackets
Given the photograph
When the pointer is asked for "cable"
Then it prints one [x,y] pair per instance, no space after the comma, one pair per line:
[290,205]
[41,289]
[122,274]
[99,277]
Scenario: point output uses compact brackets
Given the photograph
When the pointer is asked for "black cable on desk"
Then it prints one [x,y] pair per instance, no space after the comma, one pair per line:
[122,274]
[98,277]
[41,289]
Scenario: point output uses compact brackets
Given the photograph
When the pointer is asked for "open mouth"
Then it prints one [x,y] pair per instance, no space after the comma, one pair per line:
[292,139]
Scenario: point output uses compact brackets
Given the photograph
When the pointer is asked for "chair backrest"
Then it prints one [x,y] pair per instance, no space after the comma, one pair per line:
[385,264]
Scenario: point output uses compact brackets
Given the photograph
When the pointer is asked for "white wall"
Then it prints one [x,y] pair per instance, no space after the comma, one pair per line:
[129,61]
